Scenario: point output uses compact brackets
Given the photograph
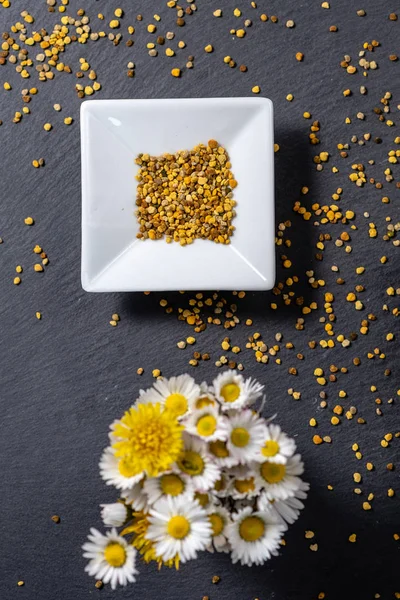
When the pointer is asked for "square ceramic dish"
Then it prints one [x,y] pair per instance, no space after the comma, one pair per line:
[113,133]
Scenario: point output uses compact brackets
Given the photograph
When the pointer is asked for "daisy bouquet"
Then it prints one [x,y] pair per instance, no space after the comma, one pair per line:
[197,468]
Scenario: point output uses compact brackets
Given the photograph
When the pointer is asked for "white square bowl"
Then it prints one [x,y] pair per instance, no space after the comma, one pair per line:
[113,133]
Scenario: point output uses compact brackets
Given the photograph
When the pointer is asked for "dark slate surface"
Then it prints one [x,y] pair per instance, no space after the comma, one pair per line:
[65,378]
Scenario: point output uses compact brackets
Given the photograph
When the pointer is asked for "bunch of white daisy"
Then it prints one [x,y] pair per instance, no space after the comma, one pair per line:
[197,468]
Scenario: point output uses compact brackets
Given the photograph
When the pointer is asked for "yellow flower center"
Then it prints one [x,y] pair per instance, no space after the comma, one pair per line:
[272,472]
[171,484]
[230,392]
[244,485]
[191,463]
[203,402]
[178,527]
[206,425]
[217,524]
[240,437]
[219,449]
[251,529]
[177,404]
[270,448]
[115,554]
[219,485]
[150,440]
[202,499]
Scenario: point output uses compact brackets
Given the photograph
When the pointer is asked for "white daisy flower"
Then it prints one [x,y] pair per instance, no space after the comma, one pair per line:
[113,471]
[254,537]
[178,527]
[221,455]
[221,487]
[168,484]
[244,483]
[178,394]
[205,499]
[135,497]
[206,397]
[286,511]
[196,463]
[112,559]
[219,518]
[280,481]
[207,424]
[246,434]
[277,446]
[234,392]
[114,515]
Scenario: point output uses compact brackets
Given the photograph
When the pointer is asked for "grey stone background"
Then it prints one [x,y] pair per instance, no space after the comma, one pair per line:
[64,378]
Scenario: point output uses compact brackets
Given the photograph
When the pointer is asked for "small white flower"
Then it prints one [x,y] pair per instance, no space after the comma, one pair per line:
[111,470]
[112,559]
[136,497]
[246,434]
[196,463]
[221,486]
[114,515]
[172,484]
[178,394]
[205,499]
[178,527]
[206,397]
[219,518]
[280,481]
[234,392]
[254,537]
[221,455]
[277,446]
[286,511]
[207,424]
[244,483]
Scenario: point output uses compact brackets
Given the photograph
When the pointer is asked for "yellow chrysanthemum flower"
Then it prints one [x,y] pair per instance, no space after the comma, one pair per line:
[149,440]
